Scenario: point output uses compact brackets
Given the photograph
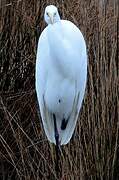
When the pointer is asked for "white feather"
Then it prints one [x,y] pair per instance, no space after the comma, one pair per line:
[61,73]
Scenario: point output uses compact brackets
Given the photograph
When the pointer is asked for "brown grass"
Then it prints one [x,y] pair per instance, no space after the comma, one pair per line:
[93,152]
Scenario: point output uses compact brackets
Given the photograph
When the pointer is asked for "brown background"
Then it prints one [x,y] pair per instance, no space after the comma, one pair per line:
[25,152]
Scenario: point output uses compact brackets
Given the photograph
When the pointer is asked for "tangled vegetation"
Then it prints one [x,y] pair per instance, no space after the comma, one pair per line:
[93,152]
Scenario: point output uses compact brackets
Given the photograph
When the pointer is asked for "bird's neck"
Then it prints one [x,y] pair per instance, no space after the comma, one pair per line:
[55,31]
[60,50]
[56,40]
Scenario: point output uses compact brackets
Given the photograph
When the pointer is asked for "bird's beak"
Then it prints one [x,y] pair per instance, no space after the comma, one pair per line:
[51,18]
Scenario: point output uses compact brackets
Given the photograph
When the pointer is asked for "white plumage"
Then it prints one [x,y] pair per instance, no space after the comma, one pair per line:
[61,73]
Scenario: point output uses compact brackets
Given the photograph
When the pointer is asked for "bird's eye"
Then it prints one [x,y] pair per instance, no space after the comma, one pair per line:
[55,14]
[47,13]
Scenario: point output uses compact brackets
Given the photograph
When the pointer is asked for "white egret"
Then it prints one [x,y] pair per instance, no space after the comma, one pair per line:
[61,73]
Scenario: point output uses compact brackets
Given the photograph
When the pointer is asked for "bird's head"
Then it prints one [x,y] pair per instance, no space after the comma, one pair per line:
[51,15]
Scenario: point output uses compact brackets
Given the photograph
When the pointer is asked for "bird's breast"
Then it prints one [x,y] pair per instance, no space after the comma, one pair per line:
[59,95]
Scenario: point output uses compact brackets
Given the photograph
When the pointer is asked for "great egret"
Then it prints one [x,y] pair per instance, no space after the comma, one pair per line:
[61,73]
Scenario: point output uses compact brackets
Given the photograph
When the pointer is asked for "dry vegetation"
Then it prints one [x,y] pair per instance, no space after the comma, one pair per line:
[93,152]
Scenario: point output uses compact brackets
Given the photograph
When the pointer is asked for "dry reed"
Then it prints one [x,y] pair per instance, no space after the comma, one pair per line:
[93,152]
